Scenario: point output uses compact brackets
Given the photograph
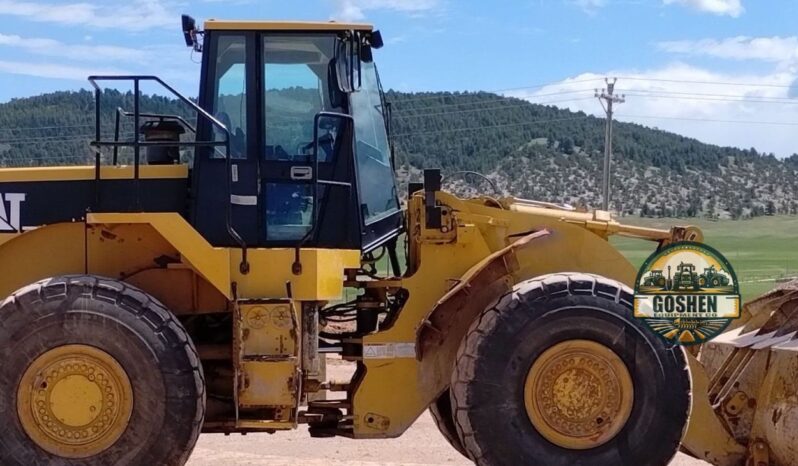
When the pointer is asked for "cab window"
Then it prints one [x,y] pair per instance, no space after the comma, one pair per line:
[296,89]
[374,171]
[230,93]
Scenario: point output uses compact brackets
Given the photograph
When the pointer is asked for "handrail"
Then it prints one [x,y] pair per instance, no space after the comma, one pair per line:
[98,144]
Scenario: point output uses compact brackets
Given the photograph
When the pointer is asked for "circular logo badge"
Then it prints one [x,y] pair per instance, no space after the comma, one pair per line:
[687,293]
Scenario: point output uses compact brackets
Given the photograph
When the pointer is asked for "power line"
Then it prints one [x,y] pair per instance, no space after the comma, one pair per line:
[719,83]
[46,139]
[607,95]
[739,96]
[52,139]
[710,99]
[712,120]
[44,127]
[489,109]
[587,80]
[508,99]
[478,128]
[499,91]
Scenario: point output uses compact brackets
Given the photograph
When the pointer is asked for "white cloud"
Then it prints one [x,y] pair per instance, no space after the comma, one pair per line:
[686,99]
[172,63]
[137,15]
[770,49]
[589,6]
[54,48]
[50,70]
[733,8]
[355,10]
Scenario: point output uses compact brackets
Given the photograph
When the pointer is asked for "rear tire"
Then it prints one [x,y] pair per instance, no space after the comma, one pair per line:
[84,331]
[502,351]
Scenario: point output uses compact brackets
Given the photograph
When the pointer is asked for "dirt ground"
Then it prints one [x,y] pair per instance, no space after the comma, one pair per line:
[420,445]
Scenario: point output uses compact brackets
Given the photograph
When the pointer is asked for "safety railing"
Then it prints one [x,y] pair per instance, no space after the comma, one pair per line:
[136,144]
[120,112]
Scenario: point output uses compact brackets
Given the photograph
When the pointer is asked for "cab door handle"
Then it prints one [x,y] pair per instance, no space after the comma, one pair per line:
[301,173]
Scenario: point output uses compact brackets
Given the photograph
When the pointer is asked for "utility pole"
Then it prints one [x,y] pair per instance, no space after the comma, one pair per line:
[607,95]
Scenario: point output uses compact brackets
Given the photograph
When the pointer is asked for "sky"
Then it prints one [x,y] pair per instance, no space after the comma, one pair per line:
[722,71]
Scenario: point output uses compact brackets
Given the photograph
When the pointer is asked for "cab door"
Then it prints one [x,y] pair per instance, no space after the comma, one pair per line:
[306,169]
[228,91]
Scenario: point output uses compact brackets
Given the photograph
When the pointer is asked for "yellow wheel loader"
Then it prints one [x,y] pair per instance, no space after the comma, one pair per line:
[149,302]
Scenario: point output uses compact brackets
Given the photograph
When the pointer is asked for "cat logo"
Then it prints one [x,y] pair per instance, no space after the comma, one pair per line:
[10,204]
[687,293]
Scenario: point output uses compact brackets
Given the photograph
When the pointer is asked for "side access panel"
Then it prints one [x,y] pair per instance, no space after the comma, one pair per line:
[267,364]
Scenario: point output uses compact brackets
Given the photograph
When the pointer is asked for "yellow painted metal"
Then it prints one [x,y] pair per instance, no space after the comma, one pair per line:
[74,401]
[127,245]
[5,237]
[602,223]
[86,172]
[270,269]
[269,384]
[267,361]
[578,394]
[214,24]
[161,229]
[180,289]
[438,260]
[45,252]
[269,329]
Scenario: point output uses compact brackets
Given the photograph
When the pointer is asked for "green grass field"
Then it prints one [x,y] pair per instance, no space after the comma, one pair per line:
[760,250]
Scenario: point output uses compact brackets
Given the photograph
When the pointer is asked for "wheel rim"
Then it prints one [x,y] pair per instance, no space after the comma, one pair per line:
[578,394]
[74,401]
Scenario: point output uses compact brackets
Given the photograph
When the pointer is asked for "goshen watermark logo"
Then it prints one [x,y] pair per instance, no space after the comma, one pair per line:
[10,206]
[687,293]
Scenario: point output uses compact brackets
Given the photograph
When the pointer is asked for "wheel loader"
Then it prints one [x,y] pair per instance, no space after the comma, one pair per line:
[150,301]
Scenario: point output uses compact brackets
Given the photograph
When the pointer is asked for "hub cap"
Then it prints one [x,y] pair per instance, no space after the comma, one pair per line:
[578,394]
[74,401]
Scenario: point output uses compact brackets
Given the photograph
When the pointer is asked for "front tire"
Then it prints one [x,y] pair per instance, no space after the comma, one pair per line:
[95,372]
[559,372]
[441,412]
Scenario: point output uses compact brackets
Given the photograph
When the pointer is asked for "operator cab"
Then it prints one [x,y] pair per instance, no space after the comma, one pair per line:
[310,162]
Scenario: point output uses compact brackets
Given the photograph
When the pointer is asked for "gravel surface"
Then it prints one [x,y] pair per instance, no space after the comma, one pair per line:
[422,444]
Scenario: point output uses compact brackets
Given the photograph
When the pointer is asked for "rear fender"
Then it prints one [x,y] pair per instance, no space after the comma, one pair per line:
[155,252]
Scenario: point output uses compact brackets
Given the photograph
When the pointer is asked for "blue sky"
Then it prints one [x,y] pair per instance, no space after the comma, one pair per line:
[720,70]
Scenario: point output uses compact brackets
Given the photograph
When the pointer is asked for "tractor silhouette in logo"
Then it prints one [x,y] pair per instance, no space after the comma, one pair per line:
[685,278]
[655,278]
[711,278]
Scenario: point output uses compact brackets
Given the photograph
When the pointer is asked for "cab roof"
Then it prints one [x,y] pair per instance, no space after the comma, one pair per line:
[213,24]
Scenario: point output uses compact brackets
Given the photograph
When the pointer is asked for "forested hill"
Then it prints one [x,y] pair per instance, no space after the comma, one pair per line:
[533,151]
[545,153]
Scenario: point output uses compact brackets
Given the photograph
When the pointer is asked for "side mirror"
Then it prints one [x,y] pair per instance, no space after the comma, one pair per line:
[347,64]
[376,40]
[190,32]
[368,42]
